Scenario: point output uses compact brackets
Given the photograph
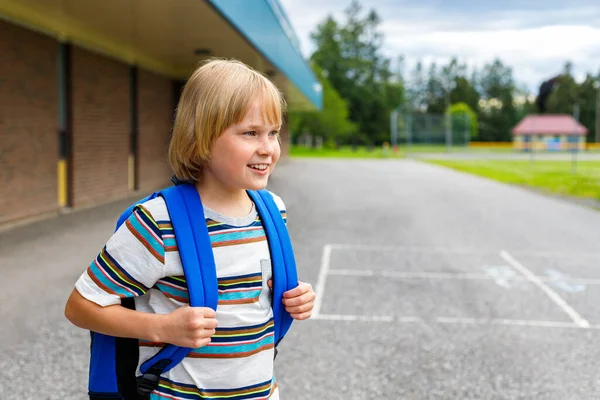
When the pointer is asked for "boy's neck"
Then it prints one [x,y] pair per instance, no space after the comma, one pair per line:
[233,203]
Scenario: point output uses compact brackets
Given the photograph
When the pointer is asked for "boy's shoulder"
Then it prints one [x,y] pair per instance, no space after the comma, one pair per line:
[157,208]
[278,201]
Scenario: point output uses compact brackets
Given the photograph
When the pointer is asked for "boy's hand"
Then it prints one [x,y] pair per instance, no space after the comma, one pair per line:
[299,301]
[188,327]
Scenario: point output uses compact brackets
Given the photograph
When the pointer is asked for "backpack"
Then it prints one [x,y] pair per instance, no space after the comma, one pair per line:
[113,361]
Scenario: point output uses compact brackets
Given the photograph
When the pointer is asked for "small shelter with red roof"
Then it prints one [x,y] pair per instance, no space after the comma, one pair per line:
[550,132]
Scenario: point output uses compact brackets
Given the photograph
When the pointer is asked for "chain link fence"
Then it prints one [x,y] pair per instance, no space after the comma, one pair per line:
[427,129]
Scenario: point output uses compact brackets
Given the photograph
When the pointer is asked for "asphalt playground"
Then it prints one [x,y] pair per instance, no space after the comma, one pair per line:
[432,284]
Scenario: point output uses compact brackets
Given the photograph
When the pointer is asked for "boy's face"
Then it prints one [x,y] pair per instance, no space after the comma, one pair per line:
[245,154]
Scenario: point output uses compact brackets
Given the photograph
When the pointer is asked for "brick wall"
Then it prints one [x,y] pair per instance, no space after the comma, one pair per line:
[28,123]
[155,121]
[100,120]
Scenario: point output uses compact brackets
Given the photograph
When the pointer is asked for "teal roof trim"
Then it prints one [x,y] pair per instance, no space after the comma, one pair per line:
[265,25]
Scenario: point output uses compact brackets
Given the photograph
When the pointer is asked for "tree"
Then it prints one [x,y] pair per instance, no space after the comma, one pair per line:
[418,87]
[448,85]
[587,97]
[436,91]
[349,55]
[331,123]
[460,114]
[328,54]
[498,115]
[465,92]
[566,92]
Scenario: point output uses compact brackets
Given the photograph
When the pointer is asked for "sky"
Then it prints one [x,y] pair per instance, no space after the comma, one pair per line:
[534,37]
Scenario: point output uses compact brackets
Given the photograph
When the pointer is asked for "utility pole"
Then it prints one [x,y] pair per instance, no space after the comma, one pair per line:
[576,149]
[597,86]
[448,122]
[394,128]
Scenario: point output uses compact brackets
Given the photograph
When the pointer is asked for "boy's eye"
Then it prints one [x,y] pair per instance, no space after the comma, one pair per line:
[274,133]
[250,133]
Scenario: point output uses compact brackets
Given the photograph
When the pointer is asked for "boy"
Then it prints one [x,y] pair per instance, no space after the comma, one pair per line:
[225,140]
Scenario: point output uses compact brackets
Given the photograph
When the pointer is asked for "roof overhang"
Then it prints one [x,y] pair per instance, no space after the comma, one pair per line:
[549,124]
[171,37]
[266,26]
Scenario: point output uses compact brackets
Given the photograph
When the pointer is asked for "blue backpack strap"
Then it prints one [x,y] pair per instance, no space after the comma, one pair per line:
[103,369]
[195,250]
[130,209]
[285,275]
[198,263]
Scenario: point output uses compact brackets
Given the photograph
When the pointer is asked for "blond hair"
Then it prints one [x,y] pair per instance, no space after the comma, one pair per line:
[217,95]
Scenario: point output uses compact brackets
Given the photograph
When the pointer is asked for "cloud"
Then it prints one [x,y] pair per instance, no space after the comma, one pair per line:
[534,54]
[535,38]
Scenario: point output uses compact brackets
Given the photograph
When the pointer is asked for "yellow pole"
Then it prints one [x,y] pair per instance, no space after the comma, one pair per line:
[62,183]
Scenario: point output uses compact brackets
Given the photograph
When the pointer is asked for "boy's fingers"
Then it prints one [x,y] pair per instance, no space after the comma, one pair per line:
[210,323]
[270,283]
[298,290]
[300,309]
[302,316]
[208,332]
[208,312]
[302,299]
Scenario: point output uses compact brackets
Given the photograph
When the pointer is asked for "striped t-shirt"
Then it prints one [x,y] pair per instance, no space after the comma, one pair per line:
[141,260]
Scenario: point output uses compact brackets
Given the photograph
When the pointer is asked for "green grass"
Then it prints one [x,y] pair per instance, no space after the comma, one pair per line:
[344,152]
[424,148]
[552,176]
[377,152]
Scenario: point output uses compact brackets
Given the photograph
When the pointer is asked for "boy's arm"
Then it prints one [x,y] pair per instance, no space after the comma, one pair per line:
[112,320]
[187,326]
[130,263]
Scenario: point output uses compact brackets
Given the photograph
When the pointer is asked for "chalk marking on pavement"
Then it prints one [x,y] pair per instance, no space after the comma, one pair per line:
[580,321]
[447,275]
[320,287]
[564,282]
[504,276]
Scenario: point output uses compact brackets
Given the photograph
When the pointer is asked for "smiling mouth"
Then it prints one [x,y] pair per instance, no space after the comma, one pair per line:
[259,167]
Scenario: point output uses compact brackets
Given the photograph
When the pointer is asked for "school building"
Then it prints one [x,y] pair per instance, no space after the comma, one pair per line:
[88,90]
[549,132]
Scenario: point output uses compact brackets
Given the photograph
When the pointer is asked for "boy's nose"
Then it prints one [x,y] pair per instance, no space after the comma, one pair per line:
[266,147]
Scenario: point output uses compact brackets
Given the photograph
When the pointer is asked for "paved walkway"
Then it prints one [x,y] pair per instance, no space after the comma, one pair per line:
[433,284]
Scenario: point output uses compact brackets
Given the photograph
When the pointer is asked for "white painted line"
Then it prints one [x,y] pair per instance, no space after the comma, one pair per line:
[408,275]
[451,321]
[555,254]
[551,293]
[447,275]
[320,287]
[362,318]
[410,249]
[513,322]
[355,272]
[459,250]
